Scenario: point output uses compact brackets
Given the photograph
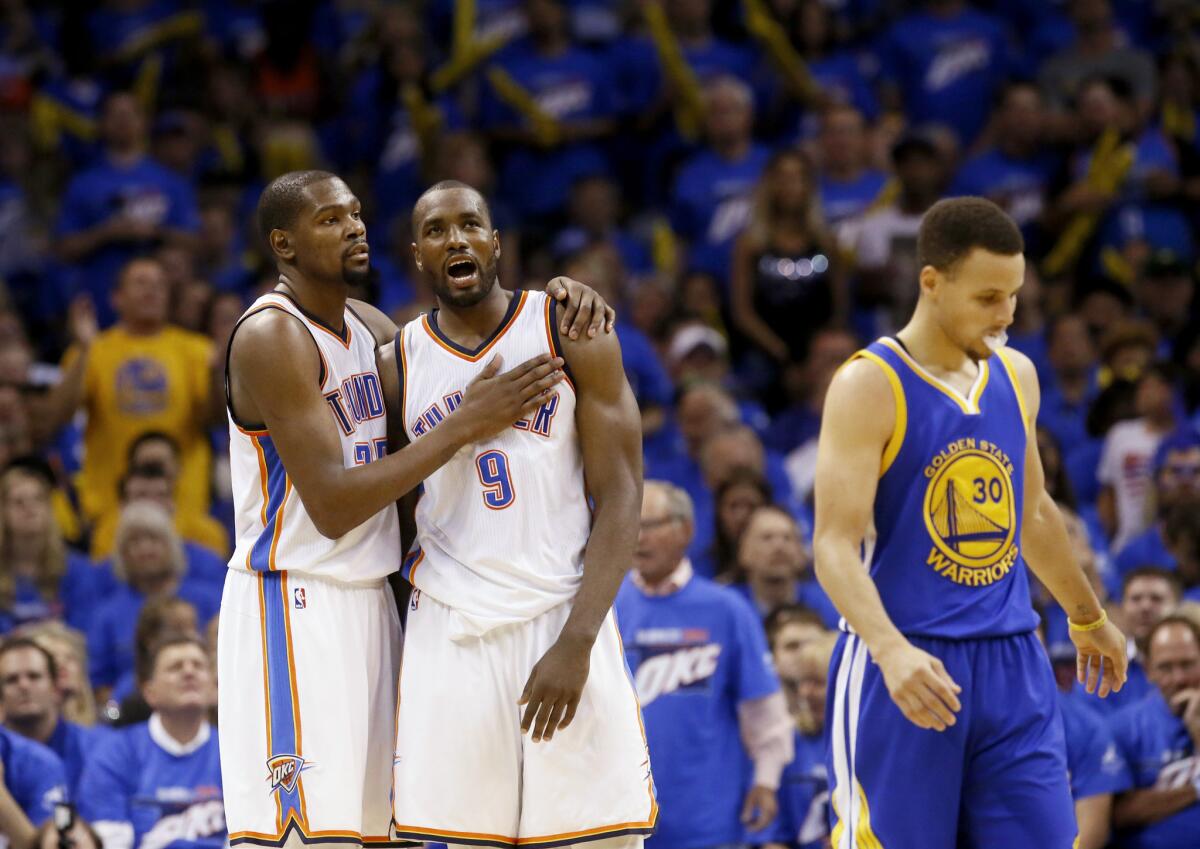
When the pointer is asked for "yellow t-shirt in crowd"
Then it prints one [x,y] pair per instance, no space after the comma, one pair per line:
[136,384]
[201,529]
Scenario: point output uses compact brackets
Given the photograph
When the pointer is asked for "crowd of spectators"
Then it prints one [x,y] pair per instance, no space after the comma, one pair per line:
[743,181]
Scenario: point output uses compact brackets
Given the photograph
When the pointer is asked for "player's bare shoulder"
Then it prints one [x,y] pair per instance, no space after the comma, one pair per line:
[861,402]
[270,337]
[590,354]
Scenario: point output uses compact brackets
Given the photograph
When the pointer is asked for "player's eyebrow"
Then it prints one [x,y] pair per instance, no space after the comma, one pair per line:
[329,207]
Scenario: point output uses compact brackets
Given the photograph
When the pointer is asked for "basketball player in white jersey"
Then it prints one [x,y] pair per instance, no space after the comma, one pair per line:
[517,721]
[309,640]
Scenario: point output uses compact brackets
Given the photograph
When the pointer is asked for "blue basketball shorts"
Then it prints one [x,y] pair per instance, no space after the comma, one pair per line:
[996,779]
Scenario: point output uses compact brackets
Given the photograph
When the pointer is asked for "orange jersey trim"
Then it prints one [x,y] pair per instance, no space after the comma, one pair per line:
[478,355]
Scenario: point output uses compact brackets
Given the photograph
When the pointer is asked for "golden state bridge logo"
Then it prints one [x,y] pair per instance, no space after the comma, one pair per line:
[970,513]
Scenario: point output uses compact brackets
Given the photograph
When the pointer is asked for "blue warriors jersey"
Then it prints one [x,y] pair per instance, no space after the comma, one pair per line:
[946,555]
[1158,753]
[694,655]
[139,779]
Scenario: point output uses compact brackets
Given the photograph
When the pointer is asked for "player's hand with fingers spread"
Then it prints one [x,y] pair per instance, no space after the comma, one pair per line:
[582,308]
[759,808]
[493,401]
[919,685]
[1102,657]
[551,695]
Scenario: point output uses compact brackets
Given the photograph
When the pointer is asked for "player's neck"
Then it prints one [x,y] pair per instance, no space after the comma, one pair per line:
[929,345]
[321,300]
[469,326]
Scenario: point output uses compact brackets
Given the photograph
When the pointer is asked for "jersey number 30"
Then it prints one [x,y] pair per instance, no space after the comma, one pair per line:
[498,491]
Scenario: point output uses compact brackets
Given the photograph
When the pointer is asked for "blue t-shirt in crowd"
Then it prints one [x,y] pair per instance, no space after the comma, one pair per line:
[808,593]
[81,587]
[710,205]
[947,68]
[111,637]
[1146,549]
[572,87]
[144,191]
[1158,752]
[695,655]
[804,815]
[169,794]
[843,199]
[1017,185]
[73,744]
[33,775]
[1093,761]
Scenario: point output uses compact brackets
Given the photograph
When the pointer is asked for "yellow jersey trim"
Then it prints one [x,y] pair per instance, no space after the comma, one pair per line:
[1012,375]
[901,425]
[969,404]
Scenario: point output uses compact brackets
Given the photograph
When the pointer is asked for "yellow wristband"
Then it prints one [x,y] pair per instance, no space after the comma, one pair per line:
[1091,626]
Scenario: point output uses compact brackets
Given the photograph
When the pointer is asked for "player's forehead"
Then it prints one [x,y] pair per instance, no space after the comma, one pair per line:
[331,193]
[449,205]
[981,269]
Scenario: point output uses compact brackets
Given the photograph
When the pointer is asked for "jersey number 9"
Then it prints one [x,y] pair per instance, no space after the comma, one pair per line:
[498,491]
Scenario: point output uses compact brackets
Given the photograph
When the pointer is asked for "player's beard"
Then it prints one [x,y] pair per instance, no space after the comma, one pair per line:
[356,275]
[461,299]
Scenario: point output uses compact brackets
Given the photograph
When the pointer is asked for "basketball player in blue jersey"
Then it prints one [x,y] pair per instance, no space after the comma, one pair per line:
[517,722]
[943,728]
[309,642]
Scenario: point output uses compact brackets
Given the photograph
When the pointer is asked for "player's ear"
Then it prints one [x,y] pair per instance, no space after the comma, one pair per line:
[496,243]
[417,257]
[929,279]
[281,244]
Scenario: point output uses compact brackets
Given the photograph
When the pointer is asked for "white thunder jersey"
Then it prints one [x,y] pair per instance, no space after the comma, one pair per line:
[274,531]
[502,527]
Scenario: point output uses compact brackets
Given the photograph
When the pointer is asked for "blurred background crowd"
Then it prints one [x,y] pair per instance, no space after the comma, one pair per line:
[741,179]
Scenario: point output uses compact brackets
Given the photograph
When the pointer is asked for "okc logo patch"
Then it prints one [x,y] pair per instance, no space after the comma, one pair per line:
[970,513]
[285,772]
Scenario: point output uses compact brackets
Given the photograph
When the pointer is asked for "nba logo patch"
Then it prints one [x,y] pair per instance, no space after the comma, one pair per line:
[416,600]
[284,772]
[301,600]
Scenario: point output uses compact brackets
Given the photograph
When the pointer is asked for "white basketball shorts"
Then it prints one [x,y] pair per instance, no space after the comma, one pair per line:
[307,673]
[464,773]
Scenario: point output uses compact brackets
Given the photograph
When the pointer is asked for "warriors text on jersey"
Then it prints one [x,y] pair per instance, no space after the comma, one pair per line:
[274,531]
[946,557]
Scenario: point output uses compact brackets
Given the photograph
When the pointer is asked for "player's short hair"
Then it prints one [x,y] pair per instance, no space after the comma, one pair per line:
[444,186]
[1172,619]
[283,198]
[16,643]
[1156,573]
[953,227]
[679,503]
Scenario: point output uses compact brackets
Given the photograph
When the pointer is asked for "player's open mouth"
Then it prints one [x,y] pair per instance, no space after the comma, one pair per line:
[462,270]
